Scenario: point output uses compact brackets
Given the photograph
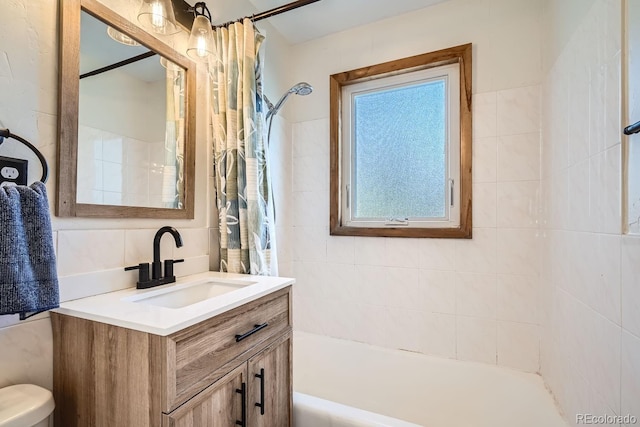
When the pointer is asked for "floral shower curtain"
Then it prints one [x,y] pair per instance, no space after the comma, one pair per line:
[243,187]
[173,168]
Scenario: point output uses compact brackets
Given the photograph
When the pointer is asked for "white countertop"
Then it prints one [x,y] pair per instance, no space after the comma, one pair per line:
[120,309]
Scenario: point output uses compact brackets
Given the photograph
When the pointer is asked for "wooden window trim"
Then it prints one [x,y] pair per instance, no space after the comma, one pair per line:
[458,54]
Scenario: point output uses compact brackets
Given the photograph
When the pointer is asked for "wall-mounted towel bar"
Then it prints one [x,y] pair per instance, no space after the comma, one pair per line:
[6,133]
[631,129]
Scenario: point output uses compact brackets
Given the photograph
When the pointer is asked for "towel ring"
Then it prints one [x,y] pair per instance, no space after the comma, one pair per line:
[6,133]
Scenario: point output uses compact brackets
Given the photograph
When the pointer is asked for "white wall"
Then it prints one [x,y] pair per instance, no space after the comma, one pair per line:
[561,20]
[590,272]
[91,252]
[466,299]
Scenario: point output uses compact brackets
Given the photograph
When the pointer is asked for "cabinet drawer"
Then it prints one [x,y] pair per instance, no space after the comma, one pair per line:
[218,405]
[199,355]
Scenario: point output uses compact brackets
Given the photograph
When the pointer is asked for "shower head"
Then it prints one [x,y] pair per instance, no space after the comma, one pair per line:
[301,89]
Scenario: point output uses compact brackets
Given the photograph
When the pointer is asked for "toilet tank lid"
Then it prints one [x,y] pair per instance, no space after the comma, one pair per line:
[24,405]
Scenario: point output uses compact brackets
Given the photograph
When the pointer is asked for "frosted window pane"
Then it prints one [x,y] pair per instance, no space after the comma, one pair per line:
[400,152]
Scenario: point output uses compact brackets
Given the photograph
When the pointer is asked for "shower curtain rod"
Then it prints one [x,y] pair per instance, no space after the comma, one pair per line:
[282,9]
[184,12]
[118,64]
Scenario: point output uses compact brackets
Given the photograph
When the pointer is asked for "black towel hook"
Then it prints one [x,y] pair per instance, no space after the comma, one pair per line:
[631,129]
[6,133]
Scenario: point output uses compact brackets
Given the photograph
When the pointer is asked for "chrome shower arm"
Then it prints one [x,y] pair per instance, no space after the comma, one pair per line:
[273,110]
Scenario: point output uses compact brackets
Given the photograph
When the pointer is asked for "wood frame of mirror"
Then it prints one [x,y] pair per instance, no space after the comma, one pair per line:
[68,103]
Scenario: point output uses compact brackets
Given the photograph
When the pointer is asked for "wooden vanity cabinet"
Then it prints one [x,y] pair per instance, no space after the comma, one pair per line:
[262,382]
[230,370]
[270,386]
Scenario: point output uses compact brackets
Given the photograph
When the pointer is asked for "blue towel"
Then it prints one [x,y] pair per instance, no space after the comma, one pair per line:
[28,276]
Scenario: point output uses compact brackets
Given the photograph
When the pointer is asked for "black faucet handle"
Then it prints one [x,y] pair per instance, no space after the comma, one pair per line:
[168,267]
[143,276]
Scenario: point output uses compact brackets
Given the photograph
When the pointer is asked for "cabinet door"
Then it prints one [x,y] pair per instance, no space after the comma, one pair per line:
[269,403]
[219,405]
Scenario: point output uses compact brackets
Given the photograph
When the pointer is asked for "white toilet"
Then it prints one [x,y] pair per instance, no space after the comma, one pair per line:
[25,405]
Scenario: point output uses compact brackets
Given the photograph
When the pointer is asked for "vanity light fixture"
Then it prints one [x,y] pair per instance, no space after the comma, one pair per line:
[201,43]
[158,16]
[121,37]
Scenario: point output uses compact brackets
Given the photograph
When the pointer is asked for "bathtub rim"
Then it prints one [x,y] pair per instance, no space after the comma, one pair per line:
[335,411]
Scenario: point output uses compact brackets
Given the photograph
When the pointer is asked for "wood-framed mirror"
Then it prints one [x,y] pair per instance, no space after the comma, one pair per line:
[126,123]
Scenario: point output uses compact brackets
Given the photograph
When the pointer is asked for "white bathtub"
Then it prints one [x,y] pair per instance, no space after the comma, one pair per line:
[392,388]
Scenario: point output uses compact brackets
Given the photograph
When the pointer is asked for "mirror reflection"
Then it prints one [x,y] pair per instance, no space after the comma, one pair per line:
[131,122]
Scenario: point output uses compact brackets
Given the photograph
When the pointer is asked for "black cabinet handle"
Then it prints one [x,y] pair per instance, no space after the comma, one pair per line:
[261,404]
[243,392]
[631,129]
[255,329]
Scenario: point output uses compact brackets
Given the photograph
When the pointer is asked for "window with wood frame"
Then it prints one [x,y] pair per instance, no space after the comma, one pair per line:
[401,147]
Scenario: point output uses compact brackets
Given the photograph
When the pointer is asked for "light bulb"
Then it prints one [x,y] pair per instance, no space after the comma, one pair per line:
[157,16]
[201,42]
[202,47]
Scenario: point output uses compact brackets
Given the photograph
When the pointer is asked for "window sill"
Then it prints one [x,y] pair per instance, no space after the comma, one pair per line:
[435,233]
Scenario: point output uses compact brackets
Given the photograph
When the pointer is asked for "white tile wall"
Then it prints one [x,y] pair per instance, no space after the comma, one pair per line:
[436,296]
[86,251]
[476,339]
[476,294]
[518,251]
[438,291]
[589,286]
[437,254]
[137,247]
[518,111]
[439,335]
[518,345]
[477,255]
[485,116]
[485,149]
[517,204]
[485,205]
[631,284]
[517,298]
[630,374]
[519,157]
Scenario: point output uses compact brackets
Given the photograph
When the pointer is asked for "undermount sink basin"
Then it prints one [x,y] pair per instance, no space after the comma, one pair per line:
[189,294]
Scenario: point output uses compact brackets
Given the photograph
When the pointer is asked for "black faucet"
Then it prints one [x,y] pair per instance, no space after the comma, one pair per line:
[157,278]
[156,267]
